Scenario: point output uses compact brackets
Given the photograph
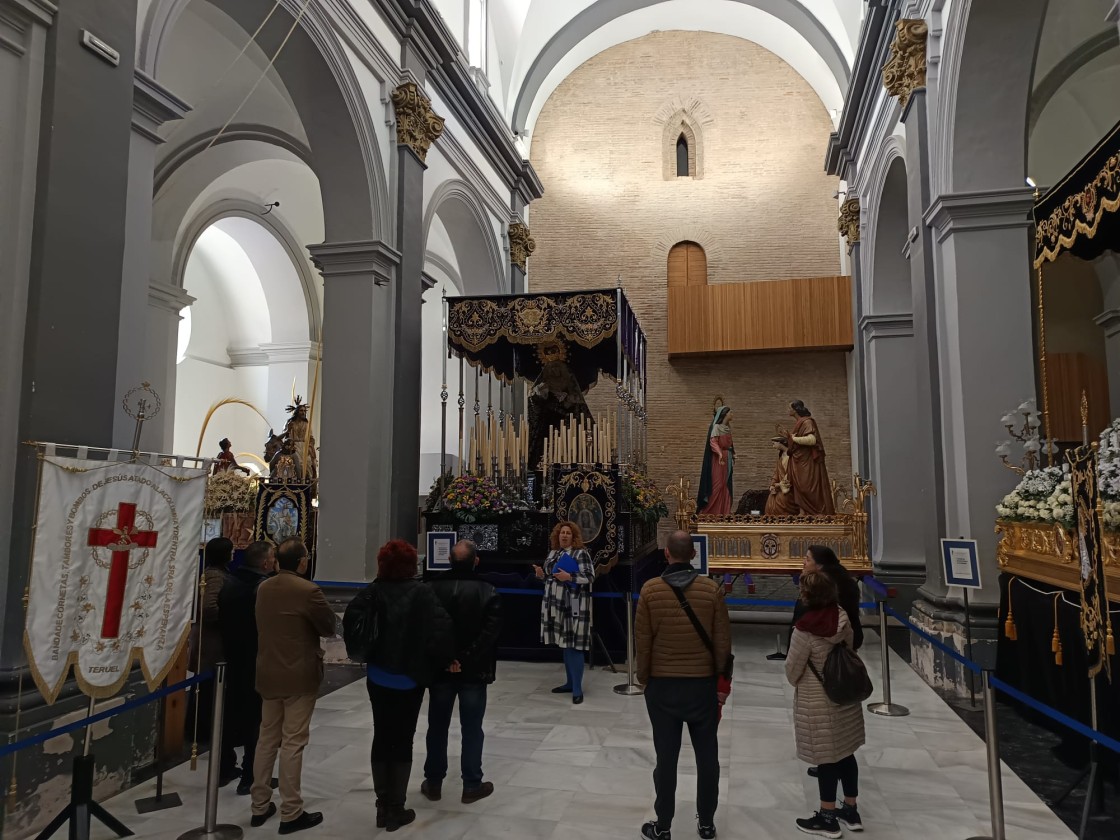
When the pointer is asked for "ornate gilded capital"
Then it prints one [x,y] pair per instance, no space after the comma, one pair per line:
[521,245]
[848,223]
[418,126]
[905,71]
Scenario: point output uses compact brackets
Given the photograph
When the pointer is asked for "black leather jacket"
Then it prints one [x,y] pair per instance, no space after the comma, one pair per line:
[475,609]
[415,633]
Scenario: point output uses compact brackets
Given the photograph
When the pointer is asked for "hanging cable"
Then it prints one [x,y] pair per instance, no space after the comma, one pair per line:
[260,78]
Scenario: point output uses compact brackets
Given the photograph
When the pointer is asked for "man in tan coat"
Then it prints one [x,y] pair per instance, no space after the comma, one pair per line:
[292,615]
[678,664]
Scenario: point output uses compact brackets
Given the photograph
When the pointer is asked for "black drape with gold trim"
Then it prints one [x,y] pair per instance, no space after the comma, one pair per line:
[501,333]
[1095,621]
[1081,214]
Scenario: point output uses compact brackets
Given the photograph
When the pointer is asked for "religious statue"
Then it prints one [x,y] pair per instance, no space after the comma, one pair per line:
[225,460]
[555,397]
[716,485]
[780,502]
[284,453]
[808,476]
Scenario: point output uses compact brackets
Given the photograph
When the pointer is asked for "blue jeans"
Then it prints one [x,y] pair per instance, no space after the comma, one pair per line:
[472,708]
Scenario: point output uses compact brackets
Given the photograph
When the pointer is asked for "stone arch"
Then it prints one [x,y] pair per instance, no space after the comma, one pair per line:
[598,14]
[188,149]
[227,207]
[326,96]
[472,237]
[987,71]
[683,117]
[888,289]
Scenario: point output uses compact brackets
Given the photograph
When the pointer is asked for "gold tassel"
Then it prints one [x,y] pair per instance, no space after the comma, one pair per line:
[1110,643]
[1056,640]
[1009,628]
[13,795]
[194,756]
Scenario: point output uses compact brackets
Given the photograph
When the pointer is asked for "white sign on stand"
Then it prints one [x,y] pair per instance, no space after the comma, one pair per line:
[700,557]
[961,560]
[440,544]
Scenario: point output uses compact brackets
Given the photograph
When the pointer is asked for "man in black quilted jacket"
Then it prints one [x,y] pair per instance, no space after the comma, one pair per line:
[475,610]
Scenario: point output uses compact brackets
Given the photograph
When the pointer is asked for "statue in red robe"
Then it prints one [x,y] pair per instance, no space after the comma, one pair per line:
[717,473]
[808,476]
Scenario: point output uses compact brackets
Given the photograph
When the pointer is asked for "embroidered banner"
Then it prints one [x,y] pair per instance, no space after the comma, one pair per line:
[1095,620]
[113,572]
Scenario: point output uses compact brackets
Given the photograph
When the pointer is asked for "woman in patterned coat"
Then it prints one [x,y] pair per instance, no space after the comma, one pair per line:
[566,606]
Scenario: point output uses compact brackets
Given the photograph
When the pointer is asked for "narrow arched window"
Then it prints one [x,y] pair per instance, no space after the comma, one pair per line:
[682,157]
[688,265]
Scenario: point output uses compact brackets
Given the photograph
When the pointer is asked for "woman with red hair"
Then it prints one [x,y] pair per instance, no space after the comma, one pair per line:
[414,644]
[566,608]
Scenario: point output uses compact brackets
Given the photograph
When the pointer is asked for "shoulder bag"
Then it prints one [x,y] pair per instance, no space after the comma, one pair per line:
[726,670]
[845,678]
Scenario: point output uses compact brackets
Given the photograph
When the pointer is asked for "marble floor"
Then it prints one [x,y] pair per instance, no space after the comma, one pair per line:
[583,773]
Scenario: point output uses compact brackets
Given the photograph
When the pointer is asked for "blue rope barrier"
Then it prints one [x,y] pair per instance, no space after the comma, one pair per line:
[944,648]
[876,587]
[1061,717]
[100,716]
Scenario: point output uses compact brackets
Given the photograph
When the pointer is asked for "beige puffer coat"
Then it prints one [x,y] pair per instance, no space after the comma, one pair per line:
[825,732]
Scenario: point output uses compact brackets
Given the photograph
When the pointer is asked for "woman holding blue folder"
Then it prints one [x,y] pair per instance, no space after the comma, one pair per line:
[566,608]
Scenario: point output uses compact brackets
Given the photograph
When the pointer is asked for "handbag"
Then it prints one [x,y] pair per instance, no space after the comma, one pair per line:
[361,626]
[845,678]
[727,670]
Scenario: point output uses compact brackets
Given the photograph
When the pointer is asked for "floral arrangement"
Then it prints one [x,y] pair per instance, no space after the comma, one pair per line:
[644,497]
[471,496]
[1108,478]
[230,492]
[1043,495]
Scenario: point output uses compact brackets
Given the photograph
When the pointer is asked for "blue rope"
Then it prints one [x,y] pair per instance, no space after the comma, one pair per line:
[100,716]
[1060,717]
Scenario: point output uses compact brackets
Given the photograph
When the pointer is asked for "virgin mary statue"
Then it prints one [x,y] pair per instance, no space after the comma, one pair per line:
[716,488]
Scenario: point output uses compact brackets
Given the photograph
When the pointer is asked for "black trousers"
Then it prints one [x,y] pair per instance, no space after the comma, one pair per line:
[845,772]
[395,712]
[673,702]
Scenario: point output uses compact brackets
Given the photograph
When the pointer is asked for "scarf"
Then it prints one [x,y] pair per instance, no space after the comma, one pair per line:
[823,622]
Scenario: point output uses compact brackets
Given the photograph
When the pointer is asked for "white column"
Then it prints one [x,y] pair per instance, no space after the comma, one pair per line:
[987,355]
[152,106]
[165,305]
[356,445]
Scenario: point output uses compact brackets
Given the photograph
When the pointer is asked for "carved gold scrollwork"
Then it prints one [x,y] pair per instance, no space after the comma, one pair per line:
[521,245]
[848,223]
[418,126]
[905,70]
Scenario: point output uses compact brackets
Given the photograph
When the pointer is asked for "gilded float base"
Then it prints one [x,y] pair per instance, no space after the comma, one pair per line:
[1049,554]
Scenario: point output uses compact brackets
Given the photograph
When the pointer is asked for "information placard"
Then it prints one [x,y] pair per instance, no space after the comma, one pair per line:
[961,561]
[700,558]
[440,544]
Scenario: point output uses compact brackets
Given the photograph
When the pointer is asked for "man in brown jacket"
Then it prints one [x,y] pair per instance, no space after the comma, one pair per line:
[679,672]
[292,615]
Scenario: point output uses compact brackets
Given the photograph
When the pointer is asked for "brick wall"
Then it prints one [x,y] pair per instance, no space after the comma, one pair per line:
[763,209]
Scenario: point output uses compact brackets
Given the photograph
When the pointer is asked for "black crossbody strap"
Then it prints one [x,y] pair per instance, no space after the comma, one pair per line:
[700,631]
[813,668]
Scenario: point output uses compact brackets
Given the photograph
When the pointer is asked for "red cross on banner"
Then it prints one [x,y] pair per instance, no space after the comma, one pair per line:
[120,540]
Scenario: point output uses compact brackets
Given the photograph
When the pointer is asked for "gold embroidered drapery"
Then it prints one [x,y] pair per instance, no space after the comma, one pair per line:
[1079,214]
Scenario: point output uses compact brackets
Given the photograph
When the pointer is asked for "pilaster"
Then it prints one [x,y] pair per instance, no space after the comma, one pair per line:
[417,128]
[360,361]
[146,343]
[1109,322]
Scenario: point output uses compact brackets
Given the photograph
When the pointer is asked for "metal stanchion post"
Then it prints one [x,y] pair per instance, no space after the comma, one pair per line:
[211,830]
[629,688]
[995,776]
[886,708]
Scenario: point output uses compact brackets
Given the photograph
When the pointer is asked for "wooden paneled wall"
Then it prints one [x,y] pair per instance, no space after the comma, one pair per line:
[813,313]
[1069,374]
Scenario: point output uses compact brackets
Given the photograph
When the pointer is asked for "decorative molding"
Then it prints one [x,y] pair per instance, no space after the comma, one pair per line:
[848,223]
[374,260]
[418,126]
[1109,322]
[247,357]
[38,11]
[447,268]
[521,245]
[905,70]
[874,327]
[279,353]
[187,150]
[984,210]
[172,299]
[688,117]
[153,105]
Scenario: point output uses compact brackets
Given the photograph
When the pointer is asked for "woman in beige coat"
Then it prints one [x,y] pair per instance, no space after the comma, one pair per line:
[827,734]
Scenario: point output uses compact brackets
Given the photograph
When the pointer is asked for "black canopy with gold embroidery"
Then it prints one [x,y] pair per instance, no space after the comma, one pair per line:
[1081,214]
[502,333]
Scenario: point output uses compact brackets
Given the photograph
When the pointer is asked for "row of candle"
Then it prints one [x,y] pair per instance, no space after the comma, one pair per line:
[582,440]
[498,449]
